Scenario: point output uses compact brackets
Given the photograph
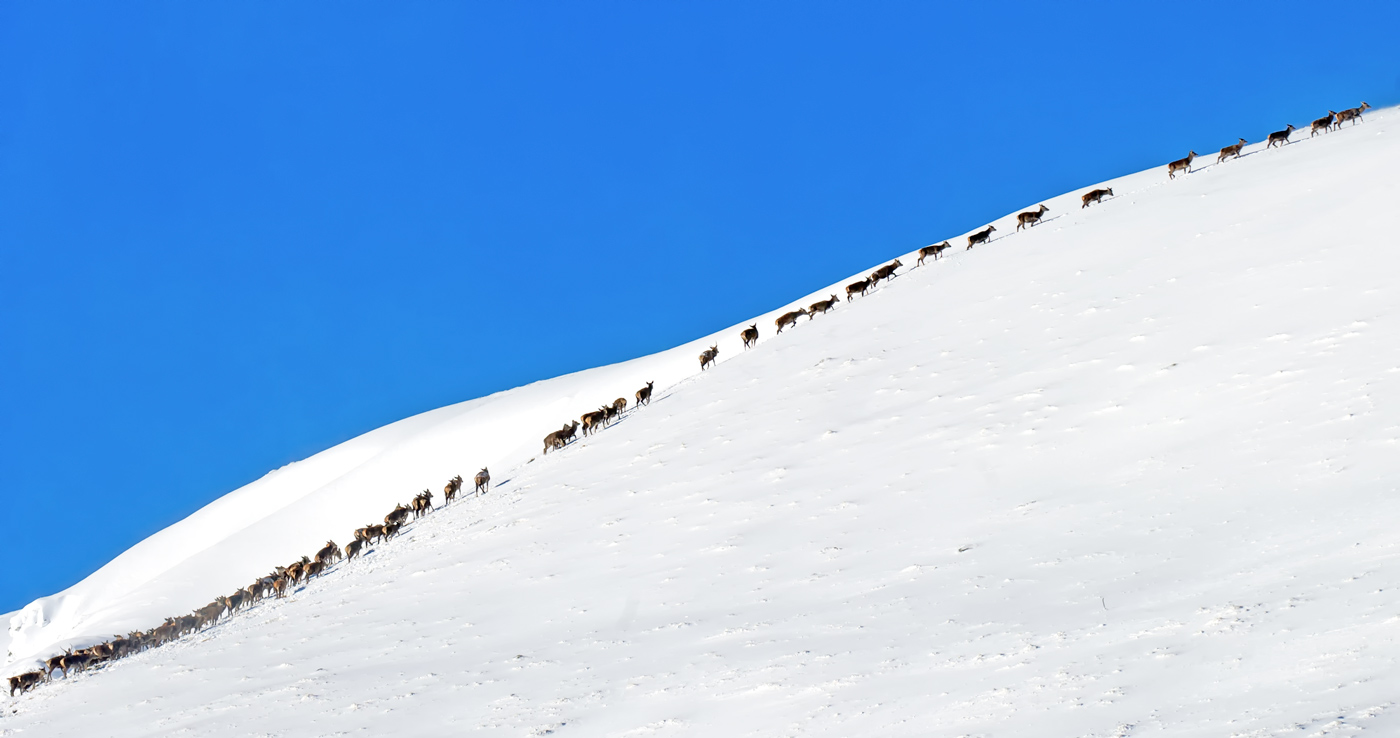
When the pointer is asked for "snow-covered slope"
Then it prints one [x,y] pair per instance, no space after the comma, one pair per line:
[1133,472]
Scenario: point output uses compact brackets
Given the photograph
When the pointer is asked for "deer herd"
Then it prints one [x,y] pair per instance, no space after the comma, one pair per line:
[1325,124]
[276,584]
[281,579]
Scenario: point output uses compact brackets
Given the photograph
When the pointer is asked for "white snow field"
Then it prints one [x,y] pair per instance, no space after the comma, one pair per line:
[1131,473]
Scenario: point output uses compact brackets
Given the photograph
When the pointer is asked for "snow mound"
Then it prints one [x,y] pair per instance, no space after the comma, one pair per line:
[1130,472]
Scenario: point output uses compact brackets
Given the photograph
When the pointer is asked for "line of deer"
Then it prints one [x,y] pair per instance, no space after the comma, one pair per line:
[275,584]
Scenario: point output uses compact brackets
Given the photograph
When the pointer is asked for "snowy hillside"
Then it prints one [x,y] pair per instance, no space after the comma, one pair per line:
[1133,472]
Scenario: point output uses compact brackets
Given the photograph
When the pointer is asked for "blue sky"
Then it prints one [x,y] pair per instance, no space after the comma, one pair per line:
[235,234]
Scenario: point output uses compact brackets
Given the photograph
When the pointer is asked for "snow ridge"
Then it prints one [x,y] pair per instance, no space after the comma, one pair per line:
[1130,472]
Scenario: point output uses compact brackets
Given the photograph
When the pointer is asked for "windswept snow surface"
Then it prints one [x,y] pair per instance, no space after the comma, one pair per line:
[1133,472]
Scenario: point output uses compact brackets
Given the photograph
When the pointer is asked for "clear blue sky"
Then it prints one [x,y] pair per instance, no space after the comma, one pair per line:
[233,234]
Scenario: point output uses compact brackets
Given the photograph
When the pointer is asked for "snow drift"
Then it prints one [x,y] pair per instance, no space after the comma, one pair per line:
[1132,472]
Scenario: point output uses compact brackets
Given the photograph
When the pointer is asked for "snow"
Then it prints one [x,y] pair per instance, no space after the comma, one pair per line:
[1132,472]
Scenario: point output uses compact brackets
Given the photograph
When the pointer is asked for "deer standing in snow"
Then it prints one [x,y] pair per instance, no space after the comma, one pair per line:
[1030,217]
[982,236]
[1180,164]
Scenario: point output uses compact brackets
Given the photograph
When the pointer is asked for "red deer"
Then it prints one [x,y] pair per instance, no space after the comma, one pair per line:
[1230,151]
[1323,124]
[352,549]
[593,421]
[1095,196]
[983,236]
[295,571]
[454,485]
[77,661]
[610,412]
[483,481]
[1030,217]
[560,438]
[279,587]
[553,441]
[397,515]
[210,613]
[329,553]
[1282,136]
[821,306]
[708,356]
[620,404]
[54,663]
[1353,114]
[790,318]
[933,251]
[392,530]
[422,504]
[750,336]
[1180,164]
[644,395]
[25,682]
[121,647]
[369,533]
[854,287]
[314,569]
[885,272]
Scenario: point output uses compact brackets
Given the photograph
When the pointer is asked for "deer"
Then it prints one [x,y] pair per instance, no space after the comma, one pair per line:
[483,481]
[1094,196]
[279,587]
[854,287]
[295,571]
[1323,124]
[885,272]
[620,404]
[569,430]
[821,306]
[1180,164]
[397,515]
[644,395]
[25,682]
[1278,136]
[77,661]
[454,485]
[593,421]
[933,251]
[554,441]
[610,412]
[749,336]
[983,236]
[1353,114]
[330,552]
[708,356]
[1230,151]
[314,569]
[1030,217]
[352,549]
[790,318]
[422,504]
[369,533]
